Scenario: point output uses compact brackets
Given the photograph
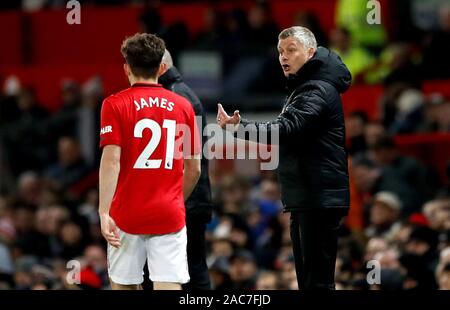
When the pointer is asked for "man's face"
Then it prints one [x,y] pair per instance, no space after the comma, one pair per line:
[293,55]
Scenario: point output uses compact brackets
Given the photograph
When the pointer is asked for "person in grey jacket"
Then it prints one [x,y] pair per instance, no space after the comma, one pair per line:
[312,169]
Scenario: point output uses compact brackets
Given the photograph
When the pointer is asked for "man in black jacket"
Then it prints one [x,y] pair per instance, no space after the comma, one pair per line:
[312,168]
[198,206]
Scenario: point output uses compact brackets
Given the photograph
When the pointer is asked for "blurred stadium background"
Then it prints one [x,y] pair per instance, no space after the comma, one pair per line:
[54,77]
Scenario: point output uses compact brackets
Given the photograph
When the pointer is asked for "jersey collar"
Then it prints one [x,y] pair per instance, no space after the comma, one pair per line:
[140,84]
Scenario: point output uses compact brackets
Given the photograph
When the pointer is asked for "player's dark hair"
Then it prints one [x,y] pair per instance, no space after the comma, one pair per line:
[143,52]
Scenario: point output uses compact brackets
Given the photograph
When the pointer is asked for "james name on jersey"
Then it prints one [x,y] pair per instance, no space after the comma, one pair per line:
[162,103]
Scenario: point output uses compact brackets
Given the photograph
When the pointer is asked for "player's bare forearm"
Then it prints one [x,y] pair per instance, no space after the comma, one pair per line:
[192,170]
[108,176]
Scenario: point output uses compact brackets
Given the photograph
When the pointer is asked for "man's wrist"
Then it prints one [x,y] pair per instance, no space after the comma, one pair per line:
[103,213]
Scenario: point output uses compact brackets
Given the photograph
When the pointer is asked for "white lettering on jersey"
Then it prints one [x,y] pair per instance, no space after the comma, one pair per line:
[153,101]
[138,107]
[105,129]
[170,106]
[144,103]
[162,103]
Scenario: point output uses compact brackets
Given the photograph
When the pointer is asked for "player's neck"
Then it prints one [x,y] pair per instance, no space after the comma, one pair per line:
[134,80]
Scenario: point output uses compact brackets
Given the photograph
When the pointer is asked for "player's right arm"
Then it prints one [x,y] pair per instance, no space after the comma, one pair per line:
[192,170]
[110,141]
[108,176]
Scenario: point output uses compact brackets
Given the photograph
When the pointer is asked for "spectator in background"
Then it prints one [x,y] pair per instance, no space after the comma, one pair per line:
[437,213]
[88,120]
[409,115]
[64,121]
[373,132]
[8,100]
[262,29]
[356,58]
[243,270]
[402,68]
[384,212]
[234,195]
[409,171]
[150,19]
[352,15]
[29,190]
[219,274]
[444,278]
[267,280]
[444,260]
[421,258]
[175,35]
[269,200]
[212,36]
[309,20]
[25,139]
[443,117]
[370,179]
[355,124]
[72,240]
[70,168]
[437,48]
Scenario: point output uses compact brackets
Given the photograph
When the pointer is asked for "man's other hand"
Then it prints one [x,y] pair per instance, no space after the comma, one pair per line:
[223,118]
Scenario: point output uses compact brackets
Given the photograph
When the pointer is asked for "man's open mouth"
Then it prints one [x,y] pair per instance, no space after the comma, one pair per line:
[285,67]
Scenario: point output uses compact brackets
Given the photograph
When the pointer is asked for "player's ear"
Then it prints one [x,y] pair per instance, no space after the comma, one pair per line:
[126,69]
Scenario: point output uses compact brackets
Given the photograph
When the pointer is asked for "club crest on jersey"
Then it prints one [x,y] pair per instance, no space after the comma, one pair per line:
[105,129]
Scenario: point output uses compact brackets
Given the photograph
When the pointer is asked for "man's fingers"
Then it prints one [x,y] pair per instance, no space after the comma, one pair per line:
[115,244]
[220,111]
[116,233]
[111,239]
[220,108]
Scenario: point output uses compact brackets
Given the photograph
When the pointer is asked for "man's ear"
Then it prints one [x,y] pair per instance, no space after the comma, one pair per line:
[162,69]
[126,69]
[311,53]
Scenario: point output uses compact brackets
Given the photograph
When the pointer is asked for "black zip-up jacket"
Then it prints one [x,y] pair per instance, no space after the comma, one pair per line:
[313,169]
[199,203]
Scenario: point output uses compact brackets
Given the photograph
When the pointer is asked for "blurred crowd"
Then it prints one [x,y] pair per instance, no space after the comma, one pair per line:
[48,165]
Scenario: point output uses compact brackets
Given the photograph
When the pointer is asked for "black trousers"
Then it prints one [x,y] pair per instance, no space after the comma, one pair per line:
[314,237]
[196,253]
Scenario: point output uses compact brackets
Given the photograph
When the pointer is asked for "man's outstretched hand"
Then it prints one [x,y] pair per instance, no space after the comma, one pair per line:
[223,118]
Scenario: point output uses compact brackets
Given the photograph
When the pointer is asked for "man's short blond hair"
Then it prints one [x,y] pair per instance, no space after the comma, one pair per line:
[302,34]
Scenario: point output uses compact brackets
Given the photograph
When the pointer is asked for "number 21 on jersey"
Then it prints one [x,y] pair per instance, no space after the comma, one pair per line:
[144,161]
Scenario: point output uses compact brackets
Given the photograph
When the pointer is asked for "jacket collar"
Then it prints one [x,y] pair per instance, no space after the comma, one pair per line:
[171,76]
[304,74]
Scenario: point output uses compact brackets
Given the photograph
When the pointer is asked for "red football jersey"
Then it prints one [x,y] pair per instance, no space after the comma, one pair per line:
[155,129]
